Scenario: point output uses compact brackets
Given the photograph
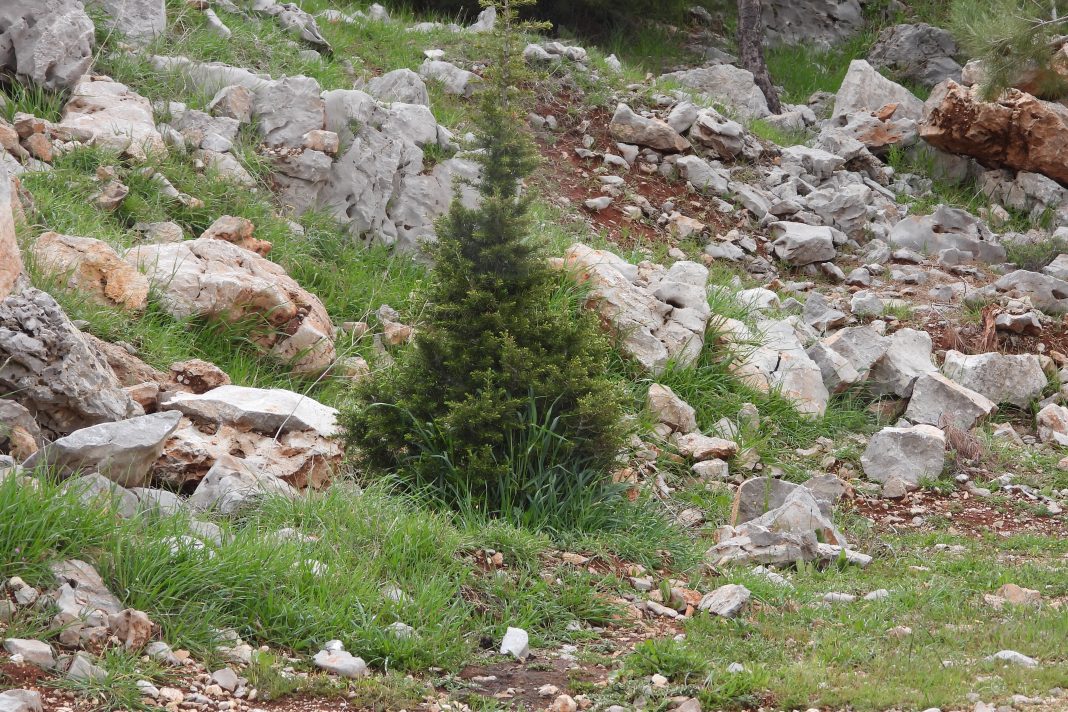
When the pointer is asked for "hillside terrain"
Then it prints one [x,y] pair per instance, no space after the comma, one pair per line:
[836,334]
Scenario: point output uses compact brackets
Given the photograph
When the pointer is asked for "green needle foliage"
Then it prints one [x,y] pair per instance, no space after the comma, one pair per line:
[502,403]
[1015,39]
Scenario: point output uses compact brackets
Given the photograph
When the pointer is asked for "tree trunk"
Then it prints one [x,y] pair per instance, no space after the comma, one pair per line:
[751,50]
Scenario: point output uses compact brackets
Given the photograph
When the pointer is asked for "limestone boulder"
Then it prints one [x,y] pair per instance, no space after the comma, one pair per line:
[670,410]
[453,79]
[864,89]
[629,127]
[799,244]
[936,400]
[726,84]
[919,53]
[269,411]
[112,115]
[1052,423]
[287,109]
[217,279]
[1016,131]
[822,23]
[93,268]
[1003,378]
[909,454]
[401,85]
[48,366]
[948,228]
[123,451]
[46,42]
[231,485]
[139,21]
[1045,292]
[908,356]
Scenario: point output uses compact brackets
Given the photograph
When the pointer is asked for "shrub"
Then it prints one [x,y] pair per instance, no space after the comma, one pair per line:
[502,400]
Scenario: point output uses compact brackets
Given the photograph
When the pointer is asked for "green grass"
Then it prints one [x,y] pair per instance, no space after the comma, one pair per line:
[798,653]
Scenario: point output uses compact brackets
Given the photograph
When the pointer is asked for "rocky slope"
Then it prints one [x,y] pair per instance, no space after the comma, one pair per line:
[843,377]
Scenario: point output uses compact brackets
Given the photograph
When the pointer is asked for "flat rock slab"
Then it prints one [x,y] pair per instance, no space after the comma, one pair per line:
[341,663]
[113,116]
[122,451]
[266,411]
[1003,378]
[726,601]
[936,400]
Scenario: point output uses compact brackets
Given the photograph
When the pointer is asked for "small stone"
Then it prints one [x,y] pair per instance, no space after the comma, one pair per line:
[226,678]
[1014,658]
[516,643]
[726,601]
[341,663]
[835,597]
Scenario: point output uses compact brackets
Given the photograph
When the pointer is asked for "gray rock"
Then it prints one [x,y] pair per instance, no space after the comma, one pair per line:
[864,89]
[918,53]
[820,315]
[111,115]
[1003,378]
[47,42]
[726,601]
[844,208]
[226,678]
[837,372]
[1045,292]
[821,23]
[947,228]
[726,84]
[1014,658]
[157,501]
[139,21]
[703,177]
[48,367]
[123,451]
[629,127]
[35,652]
[515,643]
[268,411]
[401,85]
[937,400]
[94,488]
[671,410]
[865,303]
[231,485]
[291,18]
[799,244]
[907,357]
[339,662]
[21,701]
[287,109]
[816,162]
[758,495]
[454,80]
[909,454]
[725,139]
[861,346]
[81,597]
[80,667]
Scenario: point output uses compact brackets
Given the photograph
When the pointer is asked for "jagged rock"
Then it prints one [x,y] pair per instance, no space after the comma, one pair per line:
[947,229]
[237,231]
[843,208]
[726,139]
[34,652]
[866,303]
[202,130]
[1045,292]
[700,447]
[454,80]
[217,279]
[112,115]
[1052,423]
[279,433]
[1030,193]
[1003,378]
[780,363]
[820,315]
[705,179]
[138,20]
[800,244]
[80,668]
[1016,131]
[907,357]
[628,127]
[47,42]
[293,19]
[81,598]
[837,372]
[401,85]
[861,346]
[726,601]
[287,109]
[820,164]
[937,400]
[671,410]
[918,53]
[653,330]
[48,367]
[1013,657]
[123,451]
[19,435]
[234,102]
[909,454]
[21,701]
[864,89]
[10,257]
[822,23]
[267,411]
[231,485]
[93,268]
[726,84]
[95,490]
[758,495]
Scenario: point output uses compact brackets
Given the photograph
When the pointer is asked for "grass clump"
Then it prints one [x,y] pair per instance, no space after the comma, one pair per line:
[502,405]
